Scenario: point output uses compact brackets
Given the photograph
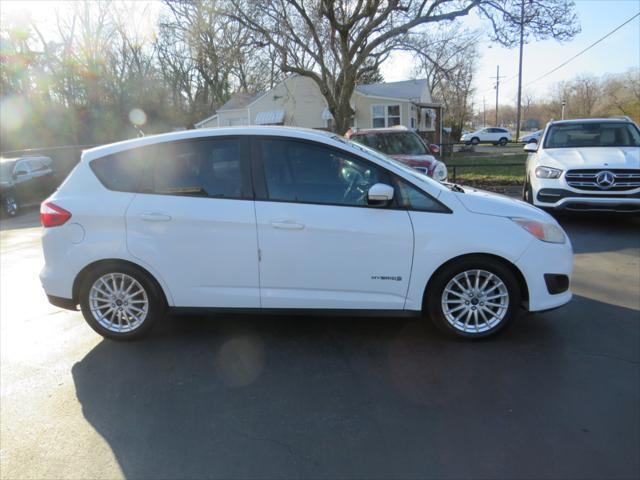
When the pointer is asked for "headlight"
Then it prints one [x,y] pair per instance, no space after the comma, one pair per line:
[440,172]
[548,172]
[547,232]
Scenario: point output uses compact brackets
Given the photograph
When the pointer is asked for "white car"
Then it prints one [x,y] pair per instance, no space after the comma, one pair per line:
[531,137]
[585,165]
[274,219]
[495,135]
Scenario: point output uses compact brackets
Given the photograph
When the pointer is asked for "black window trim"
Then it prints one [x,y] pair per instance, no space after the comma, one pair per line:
[260,184]
[145,188]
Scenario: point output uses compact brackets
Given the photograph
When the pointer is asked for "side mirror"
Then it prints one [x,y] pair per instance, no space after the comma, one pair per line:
[531,147]
[380,194]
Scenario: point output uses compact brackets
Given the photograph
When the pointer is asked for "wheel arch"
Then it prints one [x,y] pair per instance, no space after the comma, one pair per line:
[77,282]
[522,283]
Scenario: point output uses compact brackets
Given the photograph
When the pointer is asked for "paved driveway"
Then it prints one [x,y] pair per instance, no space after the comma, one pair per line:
[555,396]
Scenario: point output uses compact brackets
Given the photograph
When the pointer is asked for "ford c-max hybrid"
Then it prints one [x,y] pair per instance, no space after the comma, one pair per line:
[265,219]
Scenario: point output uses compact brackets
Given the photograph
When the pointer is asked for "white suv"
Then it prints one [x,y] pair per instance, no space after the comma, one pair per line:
[585,165]
[495,135]
[266,219]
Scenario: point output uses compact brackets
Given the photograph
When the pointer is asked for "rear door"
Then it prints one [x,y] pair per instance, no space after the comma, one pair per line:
[194,222]
[322,246]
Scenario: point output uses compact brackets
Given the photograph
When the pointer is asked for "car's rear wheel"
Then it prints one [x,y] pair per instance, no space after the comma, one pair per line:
[503,141]
[120,302]
[10,205]
[473,298]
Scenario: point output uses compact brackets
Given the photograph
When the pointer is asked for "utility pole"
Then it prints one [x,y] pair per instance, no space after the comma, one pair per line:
[563,105]
[518,110]
[484,112]
[497,77]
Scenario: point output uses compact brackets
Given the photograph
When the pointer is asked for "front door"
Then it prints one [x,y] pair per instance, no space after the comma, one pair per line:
[321,245]
[196,222]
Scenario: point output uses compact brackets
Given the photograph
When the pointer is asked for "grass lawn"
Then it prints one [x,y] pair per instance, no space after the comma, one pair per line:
[496,169]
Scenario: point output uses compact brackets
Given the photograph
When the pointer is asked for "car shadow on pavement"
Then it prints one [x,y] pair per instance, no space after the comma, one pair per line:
[621,231]
[293,397]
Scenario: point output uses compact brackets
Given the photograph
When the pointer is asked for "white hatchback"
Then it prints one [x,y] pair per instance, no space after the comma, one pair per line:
[273,219]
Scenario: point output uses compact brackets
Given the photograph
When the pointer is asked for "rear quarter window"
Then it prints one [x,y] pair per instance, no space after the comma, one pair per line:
[122,171]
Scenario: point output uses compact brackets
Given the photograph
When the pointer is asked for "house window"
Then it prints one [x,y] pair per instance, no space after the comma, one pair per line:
[429,119]
[385,115]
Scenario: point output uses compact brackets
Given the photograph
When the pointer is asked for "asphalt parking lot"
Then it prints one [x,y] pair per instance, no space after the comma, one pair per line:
[555,396]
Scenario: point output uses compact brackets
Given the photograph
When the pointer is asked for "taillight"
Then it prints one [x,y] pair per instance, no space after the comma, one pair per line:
[51,215]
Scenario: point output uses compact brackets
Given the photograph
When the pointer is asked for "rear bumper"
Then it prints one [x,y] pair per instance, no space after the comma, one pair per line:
[66,303]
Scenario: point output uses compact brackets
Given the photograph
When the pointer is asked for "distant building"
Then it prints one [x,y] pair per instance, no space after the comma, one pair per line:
[297,101]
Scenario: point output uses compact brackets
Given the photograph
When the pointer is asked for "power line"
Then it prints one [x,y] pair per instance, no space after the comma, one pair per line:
[583,51]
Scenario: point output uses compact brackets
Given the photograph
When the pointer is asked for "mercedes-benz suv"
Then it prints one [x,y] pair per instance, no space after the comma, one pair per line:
[585,165]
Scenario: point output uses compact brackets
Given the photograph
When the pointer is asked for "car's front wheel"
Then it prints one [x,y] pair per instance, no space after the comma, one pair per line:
[475,141]
[474,297]
[120,302]
[10,205]
[527,192]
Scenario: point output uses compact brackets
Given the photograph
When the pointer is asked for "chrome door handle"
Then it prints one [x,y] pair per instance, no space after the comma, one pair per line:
[155,217]
[286,225]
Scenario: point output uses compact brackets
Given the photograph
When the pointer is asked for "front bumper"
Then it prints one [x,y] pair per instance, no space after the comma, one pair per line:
[556,195]
[543,265]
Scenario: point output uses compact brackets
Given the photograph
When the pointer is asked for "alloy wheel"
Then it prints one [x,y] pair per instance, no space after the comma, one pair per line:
[118,302]
[475,301]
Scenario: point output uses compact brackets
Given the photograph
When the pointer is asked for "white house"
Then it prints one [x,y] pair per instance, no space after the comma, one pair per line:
[297,101]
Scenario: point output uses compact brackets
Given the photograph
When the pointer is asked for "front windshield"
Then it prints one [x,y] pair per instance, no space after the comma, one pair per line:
[592,134]
[396,143]
[386,159]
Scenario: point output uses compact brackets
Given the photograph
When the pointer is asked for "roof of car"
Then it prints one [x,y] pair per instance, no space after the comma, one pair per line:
[292,132]
[397,129]
[591,120]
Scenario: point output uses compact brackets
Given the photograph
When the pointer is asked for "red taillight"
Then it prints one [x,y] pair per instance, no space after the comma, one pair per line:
[52,215]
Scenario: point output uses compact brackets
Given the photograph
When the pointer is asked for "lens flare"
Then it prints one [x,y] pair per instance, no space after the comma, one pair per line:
[13,113]
[137,116]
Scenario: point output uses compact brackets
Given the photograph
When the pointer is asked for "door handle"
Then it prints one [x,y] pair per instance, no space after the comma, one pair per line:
[287,225]
[155,217]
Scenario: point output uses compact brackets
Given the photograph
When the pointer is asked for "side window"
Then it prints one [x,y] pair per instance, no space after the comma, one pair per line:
[122,171]
[411,198]
[22,167]
[303,172]
[208,168]
[37,165]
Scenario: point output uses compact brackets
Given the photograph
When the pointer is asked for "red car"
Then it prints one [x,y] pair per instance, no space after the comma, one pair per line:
[402,144]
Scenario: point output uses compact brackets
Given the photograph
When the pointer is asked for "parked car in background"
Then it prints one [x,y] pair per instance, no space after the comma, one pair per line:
[495,135]
[403,145]
[25,181]
[279,219]
[531,137]
[585,165]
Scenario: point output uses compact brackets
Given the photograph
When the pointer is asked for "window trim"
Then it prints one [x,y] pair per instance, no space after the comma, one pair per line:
[260,182]
[386,113]
[144,186]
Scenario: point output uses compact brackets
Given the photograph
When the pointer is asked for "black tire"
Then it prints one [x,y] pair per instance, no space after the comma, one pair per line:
[475,141]
[434,294]
[155,296]
[527,192]
[503,141]
[10,205]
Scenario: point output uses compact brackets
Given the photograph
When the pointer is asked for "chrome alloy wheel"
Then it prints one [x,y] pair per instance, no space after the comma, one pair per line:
[118,302]
[10,206]
[475,301]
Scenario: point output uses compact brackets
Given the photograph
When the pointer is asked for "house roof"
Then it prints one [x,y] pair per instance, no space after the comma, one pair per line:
[238,101]
[407,89]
